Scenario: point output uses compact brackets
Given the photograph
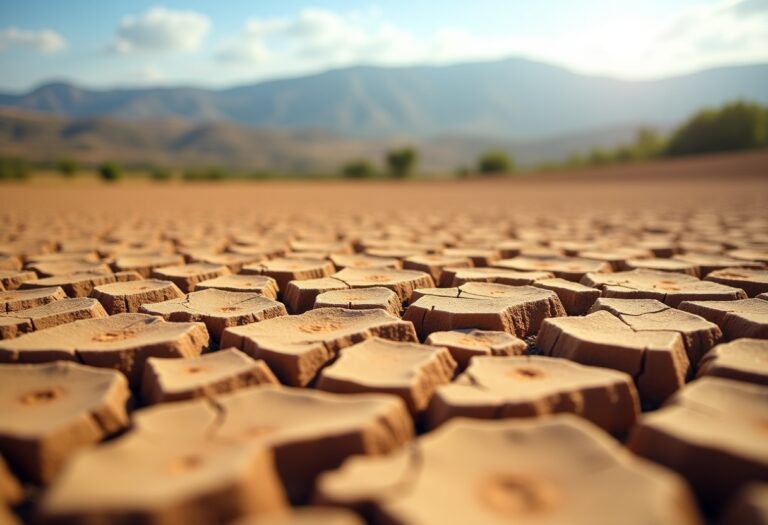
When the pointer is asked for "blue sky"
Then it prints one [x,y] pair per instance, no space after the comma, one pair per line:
[104,44]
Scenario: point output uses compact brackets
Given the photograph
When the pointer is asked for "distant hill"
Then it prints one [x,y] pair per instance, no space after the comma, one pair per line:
[176,142]
[512,99]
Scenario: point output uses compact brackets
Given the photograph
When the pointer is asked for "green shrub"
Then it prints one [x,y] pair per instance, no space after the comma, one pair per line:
[161,174]
[110,171]
[358,169]
[67,167]
[204,174]
[494,163]
[735,126]
[261,175]
[13,169]
[401,162]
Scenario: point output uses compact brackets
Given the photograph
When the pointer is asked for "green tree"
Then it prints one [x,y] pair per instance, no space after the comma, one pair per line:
[494,163]
[598,157]
[13,169]
[735,126]
[401,162]
[648,144]
[205,174]
[67,167]
[575,160]
[110,171]
[358,169]
[161,174]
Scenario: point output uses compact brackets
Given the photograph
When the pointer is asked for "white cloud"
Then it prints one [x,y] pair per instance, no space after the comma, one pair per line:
[248,46]
[320,35]
[631,46]
[150,74]
[43,41]
[160,29]
[621,43]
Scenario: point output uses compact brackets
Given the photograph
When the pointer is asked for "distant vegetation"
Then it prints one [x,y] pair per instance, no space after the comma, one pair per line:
[13,169]
[495,163]
[204,174]
[735,126]
[161,174]
[401,162]
[68,167]
[110,171]
[358,169]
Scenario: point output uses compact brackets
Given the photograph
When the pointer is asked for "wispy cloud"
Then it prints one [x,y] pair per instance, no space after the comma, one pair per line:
[730,31]
[160,30]
[321,35]
[42,41]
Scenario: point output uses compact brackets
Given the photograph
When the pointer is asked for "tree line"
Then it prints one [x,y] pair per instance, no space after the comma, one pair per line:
[734,126]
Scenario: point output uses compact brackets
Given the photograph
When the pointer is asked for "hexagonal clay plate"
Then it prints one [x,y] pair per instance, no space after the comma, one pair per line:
[710,418]
[467,343]
[218,309]
[434,264]
[360,299]
[309,431]
[144,264]
[284,270]
[208,375]
[307,516]
[502,387]
[656,360]
[668,287]
[576,298]
[260,284]
[12,279]
[402,282]
[743,359]
[408,370]
[299,296]
[343,260]
[745,318]
[663,265]
[517,310]
[569,268]
[552,470]
[75,284]
[127,297]
[699,335]
[458,276]
[49,315]
[187,276]
[754,282]
[122,341]
[183,477]
[49,411]
[296,347]
[13,301]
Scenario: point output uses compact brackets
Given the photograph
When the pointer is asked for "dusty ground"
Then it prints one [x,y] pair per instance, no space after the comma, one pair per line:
[299,233]
[714,182]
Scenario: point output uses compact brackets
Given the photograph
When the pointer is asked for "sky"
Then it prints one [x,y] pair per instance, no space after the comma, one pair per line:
[101,44]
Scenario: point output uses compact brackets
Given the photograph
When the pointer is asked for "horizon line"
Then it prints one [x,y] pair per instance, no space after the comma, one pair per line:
[288,77]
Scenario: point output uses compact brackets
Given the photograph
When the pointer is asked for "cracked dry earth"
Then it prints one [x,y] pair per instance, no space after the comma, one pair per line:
[424,353]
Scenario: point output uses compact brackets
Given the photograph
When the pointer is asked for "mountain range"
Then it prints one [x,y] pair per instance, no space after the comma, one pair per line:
[513,99]
[536,112]
[178,142]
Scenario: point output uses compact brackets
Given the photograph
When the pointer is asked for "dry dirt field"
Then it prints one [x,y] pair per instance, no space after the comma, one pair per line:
[717,181]
[568,348]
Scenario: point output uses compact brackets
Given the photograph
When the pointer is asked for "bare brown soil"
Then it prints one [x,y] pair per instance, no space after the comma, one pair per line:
[714,181]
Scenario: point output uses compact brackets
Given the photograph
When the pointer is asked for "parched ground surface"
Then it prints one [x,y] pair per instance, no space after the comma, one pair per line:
[234,350]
